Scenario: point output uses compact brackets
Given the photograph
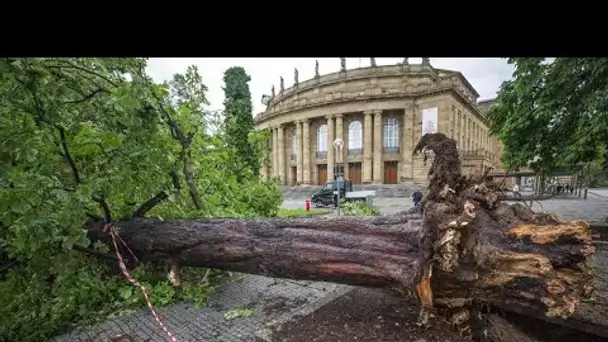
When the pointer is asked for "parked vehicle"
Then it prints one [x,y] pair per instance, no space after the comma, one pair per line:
[328,195]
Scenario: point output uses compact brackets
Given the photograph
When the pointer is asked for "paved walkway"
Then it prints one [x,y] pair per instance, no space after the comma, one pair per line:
[274,301]
[601,192]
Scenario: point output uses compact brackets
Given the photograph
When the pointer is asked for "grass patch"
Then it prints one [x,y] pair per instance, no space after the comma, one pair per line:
[301,212]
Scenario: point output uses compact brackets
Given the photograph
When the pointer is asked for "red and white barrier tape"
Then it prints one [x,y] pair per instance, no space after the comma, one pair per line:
[125,271]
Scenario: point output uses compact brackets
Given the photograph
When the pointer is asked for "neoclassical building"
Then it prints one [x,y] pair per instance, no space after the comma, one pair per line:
[380,112]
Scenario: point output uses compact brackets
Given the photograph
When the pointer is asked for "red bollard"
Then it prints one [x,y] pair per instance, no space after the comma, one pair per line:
[307,205]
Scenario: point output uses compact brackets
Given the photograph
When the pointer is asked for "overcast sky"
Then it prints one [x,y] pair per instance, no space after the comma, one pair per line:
[485,74]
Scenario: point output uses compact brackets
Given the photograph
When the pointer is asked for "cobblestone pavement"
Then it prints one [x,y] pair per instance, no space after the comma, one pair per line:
[273,301]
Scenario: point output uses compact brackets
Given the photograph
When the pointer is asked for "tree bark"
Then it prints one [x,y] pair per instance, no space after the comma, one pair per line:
[373,251]
[536,267]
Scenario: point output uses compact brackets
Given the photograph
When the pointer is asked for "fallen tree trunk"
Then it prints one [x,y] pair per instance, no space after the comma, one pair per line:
[468,246]
[503,265]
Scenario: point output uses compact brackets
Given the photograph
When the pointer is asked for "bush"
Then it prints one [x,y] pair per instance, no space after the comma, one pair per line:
[358,208]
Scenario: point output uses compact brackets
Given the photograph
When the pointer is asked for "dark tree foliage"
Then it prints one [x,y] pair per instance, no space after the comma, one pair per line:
[553,112]
[239,121]
[96,139]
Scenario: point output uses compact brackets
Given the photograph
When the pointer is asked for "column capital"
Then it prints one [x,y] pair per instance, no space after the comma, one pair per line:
[280,126]
[368,112]
[338,115]
[305,121]
[377,112]
[330,116]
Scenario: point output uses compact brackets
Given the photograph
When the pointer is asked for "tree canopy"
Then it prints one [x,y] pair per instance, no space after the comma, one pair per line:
[553,112]
[89,139]
[239,121]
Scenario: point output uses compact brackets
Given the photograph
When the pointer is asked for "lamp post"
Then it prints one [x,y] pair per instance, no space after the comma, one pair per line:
[338,144]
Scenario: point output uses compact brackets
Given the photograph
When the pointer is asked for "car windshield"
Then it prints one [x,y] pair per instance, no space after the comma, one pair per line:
[328,186]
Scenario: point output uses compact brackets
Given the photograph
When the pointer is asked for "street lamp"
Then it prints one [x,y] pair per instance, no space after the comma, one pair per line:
[338,145]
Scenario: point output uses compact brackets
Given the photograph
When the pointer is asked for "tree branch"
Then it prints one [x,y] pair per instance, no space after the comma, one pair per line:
[91,72]
[105,206]
[88,97]
[143,209]
[91,251]
[67,155]
[93,216]
[185,141]
[8,265]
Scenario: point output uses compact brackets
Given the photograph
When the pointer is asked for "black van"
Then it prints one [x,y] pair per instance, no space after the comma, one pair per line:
[328,194]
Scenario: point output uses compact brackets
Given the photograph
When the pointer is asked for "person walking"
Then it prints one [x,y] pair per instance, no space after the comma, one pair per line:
[417,197]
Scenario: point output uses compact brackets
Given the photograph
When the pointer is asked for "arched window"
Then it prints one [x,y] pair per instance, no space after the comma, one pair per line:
[294,145]
[391,135]
[355,138]
[322,141]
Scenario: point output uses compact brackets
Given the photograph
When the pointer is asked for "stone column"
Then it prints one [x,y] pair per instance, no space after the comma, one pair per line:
[330,147]
[306,151]
[467,134]
[339,127]
[367,147]
[463,137]
[340,135]
[281,149]
[377,147]
[407,150]
[300,161]
[275,152]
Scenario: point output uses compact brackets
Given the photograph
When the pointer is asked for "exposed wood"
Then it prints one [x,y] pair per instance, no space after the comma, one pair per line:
[590,317]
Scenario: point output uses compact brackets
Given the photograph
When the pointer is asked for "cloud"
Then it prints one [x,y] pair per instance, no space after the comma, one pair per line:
[485,74]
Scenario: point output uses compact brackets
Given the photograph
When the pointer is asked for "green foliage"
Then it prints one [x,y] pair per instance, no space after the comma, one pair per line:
[553,113]
[239,123]
[596,176]
[237,312]
[93,137]
[358,208]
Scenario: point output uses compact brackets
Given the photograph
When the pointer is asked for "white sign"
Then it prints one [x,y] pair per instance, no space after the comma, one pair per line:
[429,120]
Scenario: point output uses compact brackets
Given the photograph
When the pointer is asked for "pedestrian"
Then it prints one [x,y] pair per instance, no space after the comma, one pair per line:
[417,197]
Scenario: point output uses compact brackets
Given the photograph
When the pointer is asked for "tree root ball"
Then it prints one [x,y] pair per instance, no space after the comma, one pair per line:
[475,247]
